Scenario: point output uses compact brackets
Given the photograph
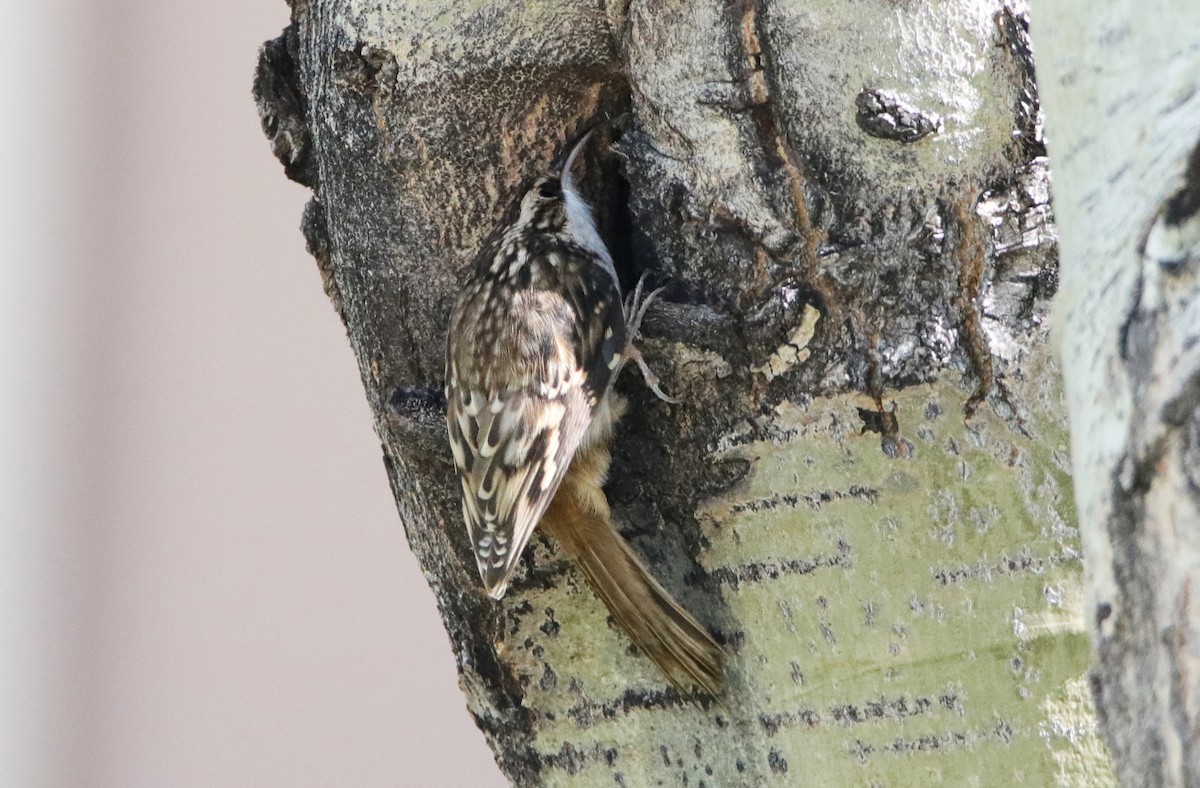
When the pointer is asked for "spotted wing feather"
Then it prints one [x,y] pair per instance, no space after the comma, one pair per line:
[532,346]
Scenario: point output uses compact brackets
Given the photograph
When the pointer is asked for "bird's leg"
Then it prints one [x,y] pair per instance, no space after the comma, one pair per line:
[635,309]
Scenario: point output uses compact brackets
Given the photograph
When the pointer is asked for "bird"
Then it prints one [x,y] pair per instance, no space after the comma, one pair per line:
[538,334]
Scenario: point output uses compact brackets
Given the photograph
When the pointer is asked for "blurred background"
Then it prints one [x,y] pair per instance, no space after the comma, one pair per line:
[203,579]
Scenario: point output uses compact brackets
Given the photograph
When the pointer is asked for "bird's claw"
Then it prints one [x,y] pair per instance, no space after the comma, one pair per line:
[636,306]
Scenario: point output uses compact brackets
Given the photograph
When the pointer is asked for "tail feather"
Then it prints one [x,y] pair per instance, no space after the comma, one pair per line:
[677,643]
[680,645]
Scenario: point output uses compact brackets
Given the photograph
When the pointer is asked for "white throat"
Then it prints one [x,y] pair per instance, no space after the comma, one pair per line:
[581,226]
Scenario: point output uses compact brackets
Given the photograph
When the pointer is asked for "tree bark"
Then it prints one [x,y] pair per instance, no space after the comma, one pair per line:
[865,489]
[1123,91]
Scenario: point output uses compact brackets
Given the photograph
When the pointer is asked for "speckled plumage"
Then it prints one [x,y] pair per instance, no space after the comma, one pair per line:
[542,329]
[536,338]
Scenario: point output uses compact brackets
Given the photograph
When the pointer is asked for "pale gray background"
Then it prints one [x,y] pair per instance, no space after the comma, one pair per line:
[203,580]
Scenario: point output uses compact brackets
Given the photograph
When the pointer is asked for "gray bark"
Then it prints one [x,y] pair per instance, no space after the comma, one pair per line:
[864,491]
[1123,92]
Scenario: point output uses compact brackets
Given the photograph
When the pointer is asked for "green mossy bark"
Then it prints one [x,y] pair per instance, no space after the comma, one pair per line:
[894,621]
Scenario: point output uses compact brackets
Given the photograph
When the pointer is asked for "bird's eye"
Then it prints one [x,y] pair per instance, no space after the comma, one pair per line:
[550,190]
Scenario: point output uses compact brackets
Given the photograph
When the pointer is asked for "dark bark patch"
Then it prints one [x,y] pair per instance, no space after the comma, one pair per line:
[365,69]
[1185,203]
[283,106]
[1024,563]
[1170,240]
[550,627]
[850,715]
[315,227]
[884,421]
[587,712]
[1001,732]
[420,403]
[814,500]
[549,679]
[885,115]
[1012,29]
[748,574]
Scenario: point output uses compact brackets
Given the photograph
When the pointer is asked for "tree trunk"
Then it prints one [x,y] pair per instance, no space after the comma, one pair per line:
[1125,121]
[864,490]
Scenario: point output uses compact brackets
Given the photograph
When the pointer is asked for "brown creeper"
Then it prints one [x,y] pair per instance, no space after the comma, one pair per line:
[537,337]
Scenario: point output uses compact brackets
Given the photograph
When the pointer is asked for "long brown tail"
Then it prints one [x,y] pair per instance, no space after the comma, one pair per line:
[580,521]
